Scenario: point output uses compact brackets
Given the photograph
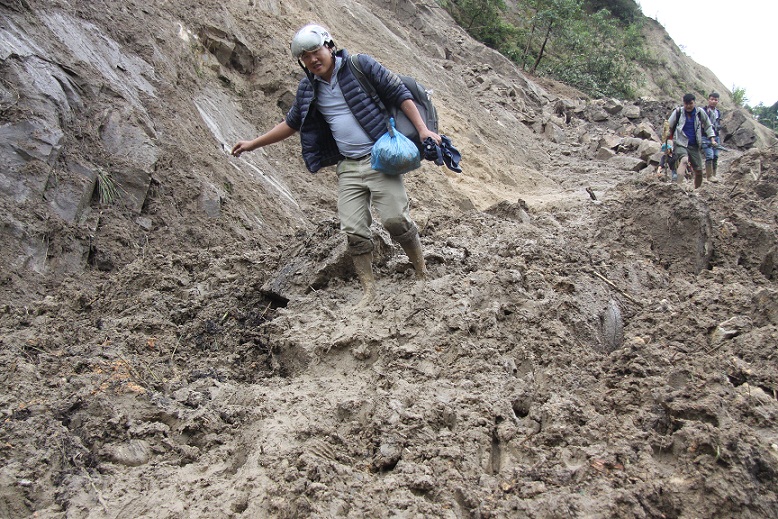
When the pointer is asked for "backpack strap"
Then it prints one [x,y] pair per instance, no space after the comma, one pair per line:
[364,82]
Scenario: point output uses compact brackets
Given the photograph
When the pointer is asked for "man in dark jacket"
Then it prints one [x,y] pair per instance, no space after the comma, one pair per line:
[338,124]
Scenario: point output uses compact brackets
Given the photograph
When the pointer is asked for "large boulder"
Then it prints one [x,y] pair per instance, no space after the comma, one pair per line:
[627,163]
[644,130]
[632,112]
[613,106]
[739,129]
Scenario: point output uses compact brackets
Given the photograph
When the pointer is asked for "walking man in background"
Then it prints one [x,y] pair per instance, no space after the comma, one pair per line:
[338,124]
[688,124]
[711,150]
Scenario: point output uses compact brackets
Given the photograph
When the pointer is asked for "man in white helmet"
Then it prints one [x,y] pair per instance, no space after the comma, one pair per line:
[338,124]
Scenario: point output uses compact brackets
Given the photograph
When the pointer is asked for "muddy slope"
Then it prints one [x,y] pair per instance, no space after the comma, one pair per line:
[592,342]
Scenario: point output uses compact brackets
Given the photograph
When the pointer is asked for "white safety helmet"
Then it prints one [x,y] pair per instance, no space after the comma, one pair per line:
[310,38]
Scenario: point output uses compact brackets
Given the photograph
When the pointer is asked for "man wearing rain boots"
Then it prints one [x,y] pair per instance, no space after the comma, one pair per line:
[338,124]
[688,124]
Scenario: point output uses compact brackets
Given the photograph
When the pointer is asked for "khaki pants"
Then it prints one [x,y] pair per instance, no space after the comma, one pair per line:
[693,152]
[359,186]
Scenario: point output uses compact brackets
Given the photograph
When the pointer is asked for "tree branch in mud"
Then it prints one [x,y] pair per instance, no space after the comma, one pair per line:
[617,289]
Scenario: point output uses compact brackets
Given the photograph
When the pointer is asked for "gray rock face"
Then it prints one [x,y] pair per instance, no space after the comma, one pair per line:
[55,129]
[740,130]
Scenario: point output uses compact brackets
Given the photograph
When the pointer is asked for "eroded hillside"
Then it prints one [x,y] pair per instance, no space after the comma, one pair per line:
[593,341]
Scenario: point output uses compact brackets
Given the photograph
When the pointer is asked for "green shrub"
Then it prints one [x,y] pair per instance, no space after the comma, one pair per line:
[739,96]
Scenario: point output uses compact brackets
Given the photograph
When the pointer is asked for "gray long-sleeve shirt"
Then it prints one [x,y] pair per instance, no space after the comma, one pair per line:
[701,122]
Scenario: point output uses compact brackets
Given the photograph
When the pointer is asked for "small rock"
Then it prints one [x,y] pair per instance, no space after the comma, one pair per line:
[144,223]
[132,454]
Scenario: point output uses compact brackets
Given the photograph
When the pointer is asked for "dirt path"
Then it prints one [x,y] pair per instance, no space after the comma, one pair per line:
[560,360]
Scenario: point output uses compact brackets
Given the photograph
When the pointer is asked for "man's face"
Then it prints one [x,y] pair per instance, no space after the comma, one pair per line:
[689,106]
[713,101]
[319,61]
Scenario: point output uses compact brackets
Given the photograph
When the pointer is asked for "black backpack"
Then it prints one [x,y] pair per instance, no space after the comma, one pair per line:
[421,97]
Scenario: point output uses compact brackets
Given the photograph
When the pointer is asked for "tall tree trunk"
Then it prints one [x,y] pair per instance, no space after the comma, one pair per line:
[542,48]
[526,47]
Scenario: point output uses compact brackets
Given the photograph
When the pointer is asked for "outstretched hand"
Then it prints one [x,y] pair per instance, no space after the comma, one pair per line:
[240,147]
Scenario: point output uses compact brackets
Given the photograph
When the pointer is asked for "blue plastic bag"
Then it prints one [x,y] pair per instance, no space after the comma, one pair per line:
[394,153]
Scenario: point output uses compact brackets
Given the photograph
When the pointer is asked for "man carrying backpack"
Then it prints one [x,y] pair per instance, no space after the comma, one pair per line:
[687,125]
[710,149]
[338,124]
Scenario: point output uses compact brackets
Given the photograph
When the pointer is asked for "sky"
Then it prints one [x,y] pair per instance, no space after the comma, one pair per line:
[736,40]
